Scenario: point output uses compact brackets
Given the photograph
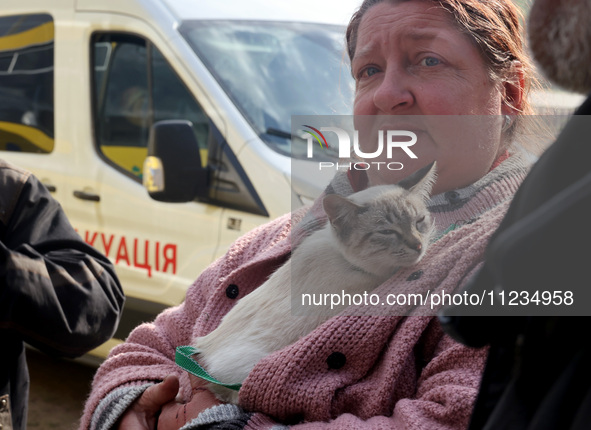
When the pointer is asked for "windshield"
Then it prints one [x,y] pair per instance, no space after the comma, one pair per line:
[275,70]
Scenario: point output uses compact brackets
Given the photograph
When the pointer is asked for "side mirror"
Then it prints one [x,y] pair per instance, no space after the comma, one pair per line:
[172,171]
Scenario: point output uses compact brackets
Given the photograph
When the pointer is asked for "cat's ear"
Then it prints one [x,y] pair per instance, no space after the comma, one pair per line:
[421,181]
[339,209]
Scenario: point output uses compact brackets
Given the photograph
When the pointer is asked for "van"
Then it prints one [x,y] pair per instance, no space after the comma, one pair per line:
[84,82]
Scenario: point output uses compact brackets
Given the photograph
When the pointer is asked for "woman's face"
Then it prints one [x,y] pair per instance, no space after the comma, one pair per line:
[410,60]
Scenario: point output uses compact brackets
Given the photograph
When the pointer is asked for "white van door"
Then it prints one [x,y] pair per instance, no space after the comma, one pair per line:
[159,248]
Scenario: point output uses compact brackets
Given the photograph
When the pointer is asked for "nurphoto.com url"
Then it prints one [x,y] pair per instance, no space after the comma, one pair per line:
[435,300]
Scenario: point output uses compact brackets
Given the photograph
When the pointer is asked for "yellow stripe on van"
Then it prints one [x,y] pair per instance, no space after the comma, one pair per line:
[25,135]
[131,158]
[35,36]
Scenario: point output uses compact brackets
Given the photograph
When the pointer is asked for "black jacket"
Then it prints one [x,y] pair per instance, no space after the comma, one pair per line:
[57,293]
[538,374]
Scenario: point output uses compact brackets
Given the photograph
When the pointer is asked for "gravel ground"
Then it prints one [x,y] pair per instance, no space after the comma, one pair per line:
[58,391]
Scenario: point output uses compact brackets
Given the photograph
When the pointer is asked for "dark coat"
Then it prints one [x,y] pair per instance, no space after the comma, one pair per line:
[57,293]
[538,374]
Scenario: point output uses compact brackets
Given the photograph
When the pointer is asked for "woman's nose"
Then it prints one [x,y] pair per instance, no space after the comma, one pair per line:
[393,95]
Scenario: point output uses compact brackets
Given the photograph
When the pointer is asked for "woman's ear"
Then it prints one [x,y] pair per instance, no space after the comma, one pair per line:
[513,89]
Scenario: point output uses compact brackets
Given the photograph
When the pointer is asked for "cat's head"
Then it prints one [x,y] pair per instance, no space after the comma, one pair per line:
[384,227]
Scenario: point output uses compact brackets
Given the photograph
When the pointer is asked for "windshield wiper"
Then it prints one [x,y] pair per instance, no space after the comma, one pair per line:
[279,133]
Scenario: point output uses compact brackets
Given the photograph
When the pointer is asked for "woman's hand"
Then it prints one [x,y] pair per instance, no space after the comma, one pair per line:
[143,413]
[157,404]
[176,415]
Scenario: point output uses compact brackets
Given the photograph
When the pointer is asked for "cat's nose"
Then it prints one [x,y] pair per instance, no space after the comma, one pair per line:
[415,246]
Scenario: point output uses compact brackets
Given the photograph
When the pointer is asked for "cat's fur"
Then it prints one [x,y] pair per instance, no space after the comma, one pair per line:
[368,237]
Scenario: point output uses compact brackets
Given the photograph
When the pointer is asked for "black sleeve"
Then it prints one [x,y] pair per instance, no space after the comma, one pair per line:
[540,246]
[56,292]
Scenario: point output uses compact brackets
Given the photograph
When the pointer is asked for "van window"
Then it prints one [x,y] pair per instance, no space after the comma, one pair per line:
[291,69]
[26,83]
[134,86]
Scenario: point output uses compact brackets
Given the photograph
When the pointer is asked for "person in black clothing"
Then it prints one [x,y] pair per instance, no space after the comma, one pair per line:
[57,293]
[538,373]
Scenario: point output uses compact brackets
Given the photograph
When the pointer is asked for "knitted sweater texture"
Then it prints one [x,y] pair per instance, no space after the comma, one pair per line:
[394,372]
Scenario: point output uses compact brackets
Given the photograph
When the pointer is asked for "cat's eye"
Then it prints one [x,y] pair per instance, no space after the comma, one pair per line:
[388,232]
[420,220]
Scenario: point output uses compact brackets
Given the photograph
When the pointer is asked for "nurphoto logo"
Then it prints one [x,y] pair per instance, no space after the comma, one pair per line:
[388,140]
[317,135]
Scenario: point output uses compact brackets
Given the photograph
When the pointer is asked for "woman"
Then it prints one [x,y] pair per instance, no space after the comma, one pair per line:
[424,59]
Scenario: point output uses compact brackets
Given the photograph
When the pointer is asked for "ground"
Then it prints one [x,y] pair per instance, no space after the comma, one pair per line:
[58,391]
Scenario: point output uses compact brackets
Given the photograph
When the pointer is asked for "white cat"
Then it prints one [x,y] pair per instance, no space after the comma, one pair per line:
[368,237]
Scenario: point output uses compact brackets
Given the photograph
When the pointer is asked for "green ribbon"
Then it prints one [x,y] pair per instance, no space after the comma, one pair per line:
[183,358]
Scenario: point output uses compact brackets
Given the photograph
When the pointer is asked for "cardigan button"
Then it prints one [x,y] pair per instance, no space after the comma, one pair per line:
[452,196]
[232,291]
[336,360]
[415,275]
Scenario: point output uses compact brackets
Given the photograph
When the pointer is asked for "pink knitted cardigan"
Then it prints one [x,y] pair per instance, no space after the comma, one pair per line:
[400,372]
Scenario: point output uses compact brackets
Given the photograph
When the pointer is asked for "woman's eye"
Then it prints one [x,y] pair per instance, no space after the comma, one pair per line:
[430,61]
[368,72]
